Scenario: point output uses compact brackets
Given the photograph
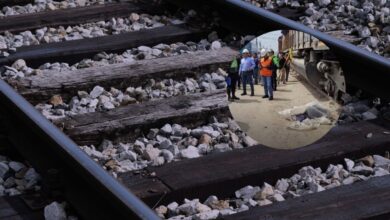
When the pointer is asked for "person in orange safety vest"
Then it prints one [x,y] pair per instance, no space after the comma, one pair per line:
[265,66]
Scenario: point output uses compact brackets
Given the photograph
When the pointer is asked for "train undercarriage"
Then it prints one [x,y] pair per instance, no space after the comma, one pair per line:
[322,72]
[313,60]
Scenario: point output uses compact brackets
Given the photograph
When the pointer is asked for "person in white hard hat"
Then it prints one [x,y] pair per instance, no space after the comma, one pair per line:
[246,71]
[263,52]
[266,74]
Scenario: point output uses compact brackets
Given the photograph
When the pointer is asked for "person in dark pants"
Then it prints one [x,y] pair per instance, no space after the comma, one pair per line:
[287,65]
[282,68]
[275,67]
[233,76]
[256,69]
[246,71]
[239,57]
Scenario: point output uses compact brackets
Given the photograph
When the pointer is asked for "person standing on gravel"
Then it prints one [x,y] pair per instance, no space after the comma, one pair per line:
[246,71]
[266,74]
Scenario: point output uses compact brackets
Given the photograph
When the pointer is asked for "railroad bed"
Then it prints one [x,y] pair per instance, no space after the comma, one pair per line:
[157,119]
[21,193]
[308,183]
[368,29]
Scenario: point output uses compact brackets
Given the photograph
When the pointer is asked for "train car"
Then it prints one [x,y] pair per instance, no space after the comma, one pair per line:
[312,59]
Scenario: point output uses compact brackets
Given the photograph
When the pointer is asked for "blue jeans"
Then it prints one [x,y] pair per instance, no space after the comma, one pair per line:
[267,81]
[247,77]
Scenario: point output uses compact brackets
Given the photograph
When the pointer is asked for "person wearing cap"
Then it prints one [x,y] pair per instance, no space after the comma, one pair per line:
[266,68]
[246,71]
[275,67]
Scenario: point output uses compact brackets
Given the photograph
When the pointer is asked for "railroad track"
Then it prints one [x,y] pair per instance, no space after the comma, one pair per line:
[171,103]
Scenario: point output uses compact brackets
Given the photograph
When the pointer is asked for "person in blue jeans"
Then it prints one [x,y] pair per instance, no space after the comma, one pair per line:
[246,71]
[266,68]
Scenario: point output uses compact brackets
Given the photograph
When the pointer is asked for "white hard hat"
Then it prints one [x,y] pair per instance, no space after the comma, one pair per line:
[263,52]
[245,51]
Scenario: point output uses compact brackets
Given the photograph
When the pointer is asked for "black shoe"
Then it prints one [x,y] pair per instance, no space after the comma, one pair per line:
[271,98]
[236,98]
[264,97]
[243,93]
[252,94]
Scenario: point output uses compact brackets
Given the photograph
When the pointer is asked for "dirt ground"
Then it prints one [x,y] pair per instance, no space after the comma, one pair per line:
[260,119]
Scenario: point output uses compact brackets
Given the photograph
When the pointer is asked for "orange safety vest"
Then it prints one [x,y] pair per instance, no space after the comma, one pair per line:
[266,67]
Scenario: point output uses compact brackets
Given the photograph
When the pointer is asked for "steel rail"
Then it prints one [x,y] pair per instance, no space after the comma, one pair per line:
[363,69]
[85,184]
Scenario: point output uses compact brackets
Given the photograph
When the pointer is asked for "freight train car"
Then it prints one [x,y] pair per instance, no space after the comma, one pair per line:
[312,59]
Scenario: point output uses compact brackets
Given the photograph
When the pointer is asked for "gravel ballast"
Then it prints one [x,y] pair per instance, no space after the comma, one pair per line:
[98,99]
[134,22]
[47,5]
[308,180]
[367,20]
[17,178]
[172,142]
[20,68]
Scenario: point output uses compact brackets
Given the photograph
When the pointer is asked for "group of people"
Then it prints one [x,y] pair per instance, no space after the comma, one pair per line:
[249,69]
